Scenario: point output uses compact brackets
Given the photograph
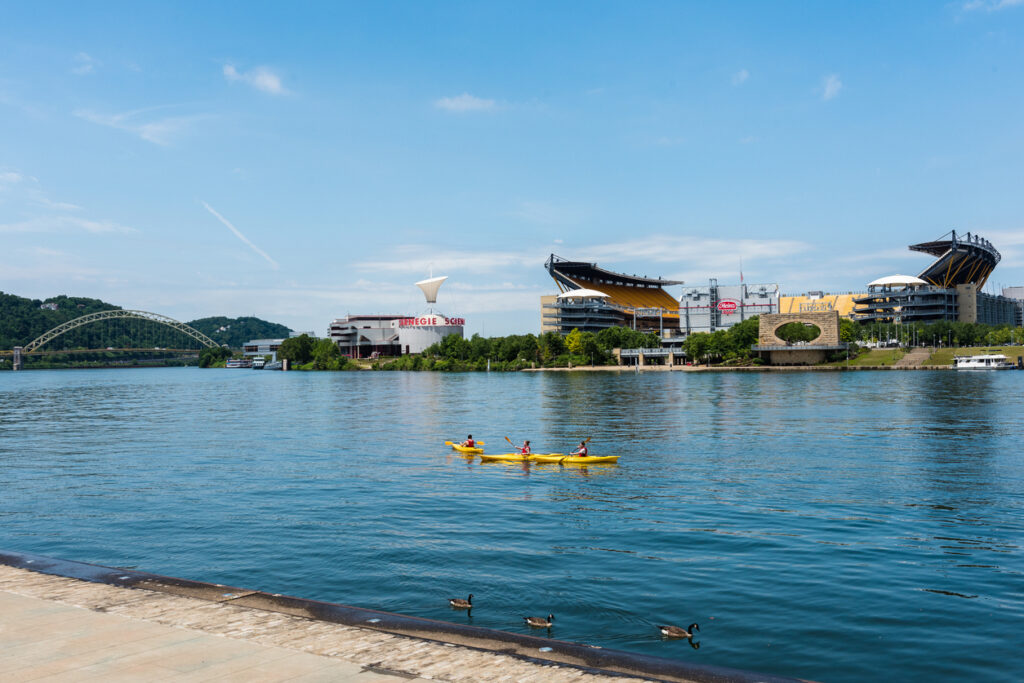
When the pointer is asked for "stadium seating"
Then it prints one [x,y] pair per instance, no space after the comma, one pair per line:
[636,297]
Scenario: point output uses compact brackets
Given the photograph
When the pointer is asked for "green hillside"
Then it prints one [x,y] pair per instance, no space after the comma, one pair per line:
[236,331]
[22,320]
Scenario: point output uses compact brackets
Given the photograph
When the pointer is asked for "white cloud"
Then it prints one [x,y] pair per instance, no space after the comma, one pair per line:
[63,224]
[990,5]
[465,103]
[240,236]
[84,64]
[831,86]
[747,140]
[740,77]
[159,131]
[262,78]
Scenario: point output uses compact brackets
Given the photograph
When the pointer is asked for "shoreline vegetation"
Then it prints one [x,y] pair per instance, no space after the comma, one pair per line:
[722,350]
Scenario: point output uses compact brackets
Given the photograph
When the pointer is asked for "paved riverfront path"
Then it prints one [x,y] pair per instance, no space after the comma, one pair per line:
[54,628]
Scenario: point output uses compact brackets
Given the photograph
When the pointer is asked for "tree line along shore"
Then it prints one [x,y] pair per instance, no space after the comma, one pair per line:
[869,344]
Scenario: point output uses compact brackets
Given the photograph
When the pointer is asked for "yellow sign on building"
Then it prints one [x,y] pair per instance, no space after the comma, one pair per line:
[819,303]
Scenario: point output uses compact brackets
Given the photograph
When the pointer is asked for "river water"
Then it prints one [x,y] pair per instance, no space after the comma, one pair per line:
[834,526]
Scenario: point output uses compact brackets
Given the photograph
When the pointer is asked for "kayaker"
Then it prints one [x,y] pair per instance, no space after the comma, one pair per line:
[525,448]
[469,443]
[581,451]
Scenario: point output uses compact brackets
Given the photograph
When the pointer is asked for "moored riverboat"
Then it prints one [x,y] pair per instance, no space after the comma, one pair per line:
[985,361]
[238,363]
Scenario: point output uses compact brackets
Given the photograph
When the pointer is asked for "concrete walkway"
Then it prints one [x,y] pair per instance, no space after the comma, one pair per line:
[54,628]
[42,640]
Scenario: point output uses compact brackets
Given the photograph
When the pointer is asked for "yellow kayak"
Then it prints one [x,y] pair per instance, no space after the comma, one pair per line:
[467,449]
[575,459]
[516,457]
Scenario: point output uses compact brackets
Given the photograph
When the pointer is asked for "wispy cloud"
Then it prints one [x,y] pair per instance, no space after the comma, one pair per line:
[10,177]
[160,131]
[990,5]
[84,64]
[240,236]
[748,140]
[465,103]
[831,86]
[64,224]
[263,78]
[14,184]
[740,77]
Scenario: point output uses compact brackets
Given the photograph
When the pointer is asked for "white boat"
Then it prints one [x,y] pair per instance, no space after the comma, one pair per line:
[985,361]
[258,363]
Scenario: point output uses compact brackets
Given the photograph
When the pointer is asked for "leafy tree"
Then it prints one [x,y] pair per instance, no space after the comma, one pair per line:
[211,356]
[797,332]
[298,350]
[327,356]
[573,342]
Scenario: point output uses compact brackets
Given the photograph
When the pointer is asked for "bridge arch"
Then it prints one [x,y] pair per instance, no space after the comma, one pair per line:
[114,314]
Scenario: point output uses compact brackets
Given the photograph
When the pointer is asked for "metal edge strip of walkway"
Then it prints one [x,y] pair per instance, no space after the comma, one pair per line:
[513,644]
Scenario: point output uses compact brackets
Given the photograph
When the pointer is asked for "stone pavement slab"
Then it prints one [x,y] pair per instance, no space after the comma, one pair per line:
[55,628]
[46,641]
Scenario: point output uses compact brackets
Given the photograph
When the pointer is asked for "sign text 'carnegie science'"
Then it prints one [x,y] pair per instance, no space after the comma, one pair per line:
[431,321]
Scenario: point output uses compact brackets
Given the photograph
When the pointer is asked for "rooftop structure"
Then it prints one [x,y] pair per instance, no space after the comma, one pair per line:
[961,260]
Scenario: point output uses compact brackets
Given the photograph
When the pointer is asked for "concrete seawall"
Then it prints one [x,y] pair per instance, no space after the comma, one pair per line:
[260,631]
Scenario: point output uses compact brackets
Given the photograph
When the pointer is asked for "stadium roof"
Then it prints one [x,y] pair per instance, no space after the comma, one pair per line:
[581,270]
[961,260]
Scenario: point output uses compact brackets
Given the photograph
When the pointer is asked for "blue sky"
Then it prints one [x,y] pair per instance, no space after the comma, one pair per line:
[301,161]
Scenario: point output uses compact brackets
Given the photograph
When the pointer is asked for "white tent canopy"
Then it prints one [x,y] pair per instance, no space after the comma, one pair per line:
[583,294]
[430,287]
[897,281]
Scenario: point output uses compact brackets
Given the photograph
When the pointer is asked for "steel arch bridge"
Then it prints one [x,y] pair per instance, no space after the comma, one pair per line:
[113,315]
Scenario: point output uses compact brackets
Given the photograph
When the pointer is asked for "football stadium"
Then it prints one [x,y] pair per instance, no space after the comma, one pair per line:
[947,289]
[591,299]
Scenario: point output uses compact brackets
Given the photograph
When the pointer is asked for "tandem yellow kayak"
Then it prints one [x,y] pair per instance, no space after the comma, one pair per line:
[575,459]
[467,449]
[517,457]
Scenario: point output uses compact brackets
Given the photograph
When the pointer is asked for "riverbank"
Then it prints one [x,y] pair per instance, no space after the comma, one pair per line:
[81,620]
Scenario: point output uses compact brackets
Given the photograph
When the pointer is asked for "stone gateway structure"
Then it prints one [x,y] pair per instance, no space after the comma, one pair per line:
[780,352]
